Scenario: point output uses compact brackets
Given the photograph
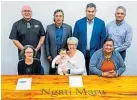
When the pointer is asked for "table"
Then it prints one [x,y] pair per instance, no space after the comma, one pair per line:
[55,87]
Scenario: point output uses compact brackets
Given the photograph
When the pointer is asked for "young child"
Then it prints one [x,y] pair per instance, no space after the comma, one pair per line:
[61,60]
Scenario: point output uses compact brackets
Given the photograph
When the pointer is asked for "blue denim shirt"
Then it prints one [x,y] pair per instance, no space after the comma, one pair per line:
[97,60]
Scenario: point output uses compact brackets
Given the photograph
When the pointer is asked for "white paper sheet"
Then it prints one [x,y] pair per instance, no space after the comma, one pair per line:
[24,84]
[75,81]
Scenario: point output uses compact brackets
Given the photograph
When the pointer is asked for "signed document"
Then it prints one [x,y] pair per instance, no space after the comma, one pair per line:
[24,84]
[75,81]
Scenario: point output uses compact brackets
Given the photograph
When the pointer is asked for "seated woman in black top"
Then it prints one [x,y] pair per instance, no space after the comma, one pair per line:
[29,65]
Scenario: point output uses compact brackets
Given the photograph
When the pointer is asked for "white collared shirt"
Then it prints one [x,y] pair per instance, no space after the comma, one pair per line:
[89,32]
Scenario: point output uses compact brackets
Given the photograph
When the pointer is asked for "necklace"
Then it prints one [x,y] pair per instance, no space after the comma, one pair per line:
[107,57]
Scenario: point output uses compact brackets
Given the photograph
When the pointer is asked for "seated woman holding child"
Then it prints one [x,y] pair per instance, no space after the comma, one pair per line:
[74,61]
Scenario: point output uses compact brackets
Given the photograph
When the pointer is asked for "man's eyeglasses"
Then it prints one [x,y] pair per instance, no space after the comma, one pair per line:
[26,11]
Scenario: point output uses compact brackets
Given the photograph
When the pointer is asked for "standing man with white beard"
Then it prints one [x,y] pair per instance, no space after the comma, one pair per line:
[28,31]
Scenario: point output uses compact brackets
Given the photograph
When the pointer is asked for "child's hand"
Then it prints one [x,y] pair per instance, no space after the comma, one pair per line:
[64,70]
[57,61]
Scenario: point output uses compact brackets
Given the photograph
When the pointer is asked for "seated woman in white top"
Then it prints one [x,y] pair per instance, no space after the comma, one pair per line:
[76,59]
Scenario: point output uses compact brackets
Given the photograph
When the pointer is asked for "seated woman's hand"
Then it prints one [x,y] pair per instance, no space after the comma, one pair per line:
[112,74]
[109,74]
[105,74]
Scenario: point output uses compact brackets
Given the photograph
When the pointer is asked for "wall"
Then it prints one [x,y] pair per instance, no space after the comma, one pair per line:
[43,11]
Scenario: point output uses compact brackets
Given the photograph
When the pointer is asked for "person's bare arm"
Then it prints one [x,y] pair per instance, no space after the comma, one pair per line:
[41,41]
[18,44]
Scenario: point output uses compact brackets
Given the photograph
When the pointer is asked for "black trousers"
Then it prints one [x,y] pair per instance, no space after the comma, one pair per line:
[52,71]
[87,58]
[123,54]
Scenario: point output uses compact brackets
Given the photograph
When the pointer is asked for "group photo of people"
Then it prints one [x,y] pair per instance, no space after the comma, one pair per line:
[69,38]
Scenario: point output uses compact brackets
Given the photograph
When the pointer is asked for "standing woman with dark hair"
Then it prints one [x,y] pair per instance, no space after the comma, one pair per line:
[29,65]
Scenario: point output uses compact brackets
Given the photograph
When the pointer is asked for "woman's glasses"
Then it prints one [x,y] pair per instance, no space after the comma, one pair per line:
[28,52]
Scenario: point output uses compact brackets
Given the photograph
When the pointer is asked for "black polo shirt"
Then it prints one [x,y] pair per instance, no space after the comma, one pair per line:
[27,32]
